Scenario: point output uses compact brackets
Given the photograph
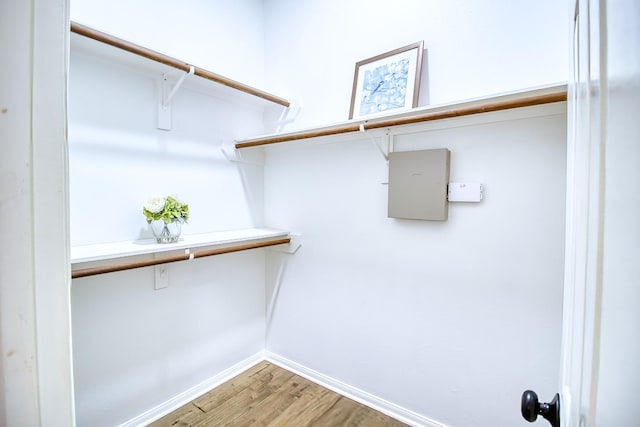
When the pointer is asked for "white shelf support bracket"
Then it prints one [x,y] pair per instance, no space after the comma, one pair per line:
[166,98]
[290,249]
[167,92]
[386,141]
[230,153]
[294,109]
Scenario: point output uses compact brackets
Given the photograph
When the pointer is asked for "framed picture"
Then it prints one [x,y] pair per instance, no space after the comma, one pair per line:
[389,81]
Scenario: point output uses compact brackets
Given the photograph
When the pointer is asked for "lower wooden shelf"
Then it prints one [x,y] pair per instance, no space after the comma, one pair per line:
[84,258]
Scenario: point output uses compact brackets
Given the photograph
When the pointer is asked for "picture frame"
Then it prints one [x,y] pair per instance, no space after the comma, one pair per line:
[387,82]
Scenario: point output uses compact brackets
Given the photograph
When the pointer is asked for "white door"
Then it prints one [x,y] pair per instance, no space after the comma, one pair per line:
[601,331]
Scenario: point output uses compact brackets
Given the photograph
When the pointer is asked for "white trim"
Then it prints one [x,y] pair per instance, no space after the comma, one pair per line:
[19,394]
[399,413]
[583,240]
[194,392]
[50,204]
[36,386]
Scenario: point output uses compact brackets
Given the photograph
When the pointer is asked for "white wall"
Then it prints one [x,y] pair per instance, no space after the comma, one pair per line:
[451,320]
[472,48]
[119,158]
[135,347]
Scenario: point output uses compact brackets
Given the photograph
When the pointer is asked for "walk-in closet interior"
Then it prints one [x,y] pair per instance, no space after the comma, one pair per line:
[290,254]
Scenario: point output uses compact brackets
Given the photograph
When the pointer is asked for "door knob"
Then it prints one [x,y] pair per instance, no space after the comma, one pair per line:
[531,408]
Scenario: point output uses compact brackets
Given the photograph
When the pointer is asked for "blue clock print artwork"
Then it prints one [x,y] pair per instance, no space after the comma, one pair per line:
[384,87]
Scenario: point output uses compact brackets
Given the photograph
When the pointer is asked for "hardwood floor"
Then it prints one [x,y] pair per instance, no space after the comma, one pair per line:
[267,395]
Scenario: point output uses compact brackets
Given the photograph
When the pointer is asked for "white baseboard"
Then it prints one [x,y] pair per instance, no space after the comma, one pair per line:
[401,414]
[194,392]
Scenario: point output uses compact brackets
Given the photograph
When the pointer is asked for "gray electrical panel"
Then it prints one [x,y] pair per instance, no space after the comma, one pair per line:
[418,184]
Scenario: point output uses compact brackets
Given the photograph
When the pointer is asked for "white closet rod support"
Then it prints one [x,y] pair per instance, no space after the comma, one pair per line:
[286,117]
[167,99]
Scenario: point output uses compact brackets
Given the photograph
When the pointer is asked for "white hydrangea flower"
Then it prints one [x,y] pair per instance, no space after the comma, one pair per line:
[155,204]
[177,198]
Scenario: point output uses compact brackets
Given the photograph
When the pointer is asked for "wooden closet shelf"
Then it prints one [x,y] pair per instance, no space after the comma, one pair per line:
[207,244]
[528,98]
[173,62]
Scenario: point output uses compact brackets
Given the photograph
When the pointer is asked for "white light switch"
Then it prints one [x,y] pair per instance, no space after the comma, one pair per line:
[465,192]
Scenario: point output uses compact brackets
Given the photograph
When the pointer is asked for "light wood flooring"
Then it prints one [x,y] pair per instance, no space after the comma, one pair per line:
[267,395]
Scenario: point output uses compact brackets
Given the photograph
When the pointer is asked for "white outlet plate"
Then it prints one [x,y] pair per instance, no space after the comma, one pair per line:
[465,192]
[162,277]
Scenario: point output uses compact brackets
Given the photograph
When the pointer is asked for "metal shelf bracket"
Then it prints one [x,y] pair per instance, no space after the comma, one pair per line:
[167,93]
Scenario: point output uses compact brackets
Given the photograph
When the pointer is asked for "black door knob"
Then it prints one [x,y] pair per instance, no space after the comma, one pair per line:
[531,408]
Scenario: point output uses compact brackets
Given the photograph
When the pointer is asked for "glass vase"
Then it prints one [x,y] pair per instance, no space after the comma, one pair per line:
[166,232]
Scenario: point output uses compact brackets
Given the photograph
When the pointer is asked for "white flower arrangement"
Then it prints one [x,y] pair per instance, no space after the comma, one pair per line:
[168,209]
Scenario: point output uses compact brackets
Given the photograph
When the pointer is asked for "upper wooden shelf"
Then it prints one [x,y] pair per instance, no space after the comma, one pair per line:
[525,98]
[168,61]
